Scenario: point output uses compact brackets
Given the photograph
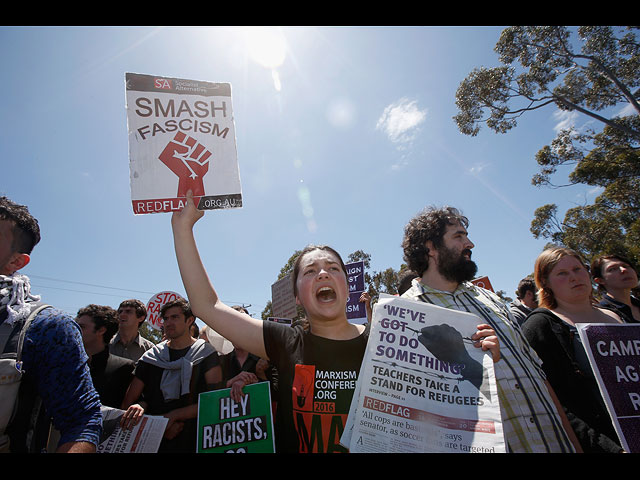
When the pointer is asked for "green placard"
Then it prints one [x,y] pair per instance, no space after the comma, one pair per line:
[226,426]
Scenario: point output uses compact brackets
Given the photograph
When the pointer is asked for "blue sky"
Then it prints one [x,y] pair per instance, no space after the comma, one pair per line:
[341,143]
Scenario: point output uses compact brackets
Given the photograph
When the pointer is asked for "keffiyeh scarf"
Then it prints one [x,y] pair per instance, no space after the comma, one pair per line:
[16,296]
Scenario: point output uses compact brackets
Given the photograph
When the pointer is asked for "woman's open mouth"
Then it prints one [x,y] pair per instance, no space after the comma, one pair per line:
[326,294]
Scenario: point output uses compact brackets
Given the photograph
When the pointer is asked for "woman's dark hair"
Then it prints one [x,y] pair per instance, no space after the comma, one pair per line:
[307,249]
[598,263]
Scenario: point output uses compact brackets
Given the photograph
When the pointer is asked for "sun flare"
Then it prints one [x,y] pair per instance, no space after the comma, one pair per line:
[266,46]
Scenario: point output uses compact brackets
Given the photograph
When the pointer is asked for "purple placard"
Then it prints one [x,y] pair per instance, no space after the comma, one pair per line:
[614,354]
[355,308]
[355,276]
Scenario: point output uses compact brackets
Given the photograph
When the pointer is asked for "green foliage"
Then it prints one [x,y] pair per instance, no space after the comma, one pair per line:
[267,312]
[150,333]
[602,74]
[589,74]
[288,267]
[385,281]
[504,297]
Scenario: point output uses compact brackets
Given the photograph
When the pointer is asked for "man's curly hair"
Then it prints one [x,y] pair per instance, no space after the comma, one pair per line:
[26,231]
[102,316]
[430,224]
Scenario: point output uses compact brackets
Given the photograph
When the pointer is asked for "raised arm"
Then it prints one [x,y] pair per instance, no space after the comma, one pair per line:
[237,327]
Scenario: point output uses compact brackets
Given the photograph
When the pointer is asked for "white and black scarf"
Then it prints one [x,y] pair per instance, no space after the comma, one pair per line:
[16,296]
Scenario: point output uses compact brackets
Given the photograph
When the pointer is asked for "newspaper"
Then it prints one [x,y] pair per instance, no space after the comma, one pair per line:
[145,437]
[423,386]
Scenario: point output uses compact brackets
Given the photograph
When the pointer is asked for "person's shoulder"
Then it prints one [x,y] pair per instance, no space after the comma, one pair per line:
[49,313]
[297,326]
[53,341]
[518,312]
[145,342]
[539,318]
[206,347]
[608,302]
[541,312]
[364,332]
[120,362]
[486,297]
[155,348]
[281,333]
[413,291]
[53,319]
[470,286]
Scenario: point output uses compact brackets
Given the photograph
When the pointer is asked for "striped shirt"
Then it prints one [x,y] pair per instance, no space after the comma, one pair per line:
[530,419]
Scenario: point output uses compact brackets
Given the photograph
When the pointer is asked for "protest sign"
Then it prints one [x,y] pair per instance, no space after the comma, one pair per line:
[356,310]
[240,427]
[423,386]
[614,355]
[154,306]
[181,137]
[355,276]
[283,301]
[217,341]
[286,321]
[145,437]
[483,282]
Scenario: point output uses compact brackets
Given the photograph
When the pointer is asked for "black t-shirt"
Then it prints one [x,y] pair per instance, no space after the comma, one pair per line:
[623,310]
[231,366]
[317,378]
[577,391]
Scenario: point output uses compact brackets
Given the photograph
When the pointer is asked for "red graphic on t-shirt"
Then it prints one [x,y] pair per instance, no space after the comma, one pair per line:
[303,387]
[189,160]
[318,425]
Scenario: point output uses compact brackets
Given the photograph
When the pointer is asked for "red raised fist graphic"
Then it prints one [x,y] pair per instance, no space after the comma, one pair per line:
[189,160]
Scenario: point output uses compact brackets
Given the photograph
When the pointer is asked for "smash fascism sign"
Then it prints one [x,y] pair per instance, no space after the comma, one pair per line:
[181,138]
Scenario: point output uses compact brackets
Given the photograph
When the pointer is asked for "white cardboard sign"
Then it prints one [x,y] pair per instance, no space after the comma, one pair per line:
[181,137]
[154,306]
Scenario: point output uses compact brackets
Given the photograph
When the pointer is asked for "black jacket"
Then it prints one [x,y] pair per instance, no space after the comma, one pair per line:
[553,340]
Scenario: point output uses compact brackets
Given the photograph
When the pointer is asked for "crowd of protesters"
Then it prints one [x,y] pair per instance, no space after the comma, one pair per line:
[69,367]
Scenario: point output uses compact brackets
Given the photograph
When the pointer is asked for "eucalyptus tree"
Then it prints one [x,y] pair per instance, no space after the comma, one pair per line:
[590,70]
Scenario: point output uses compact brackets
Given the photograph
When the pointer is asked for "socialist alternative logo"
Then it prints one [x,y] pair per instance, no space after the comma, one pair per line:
[189,160]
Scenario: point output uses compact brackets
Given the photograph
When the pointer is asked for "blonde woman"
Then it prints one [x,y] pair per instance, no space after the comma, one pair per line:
[565,298]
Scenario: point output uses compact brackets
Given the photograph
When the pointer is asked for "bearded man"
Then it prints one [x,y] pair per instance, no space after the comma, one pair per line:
[437,247]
